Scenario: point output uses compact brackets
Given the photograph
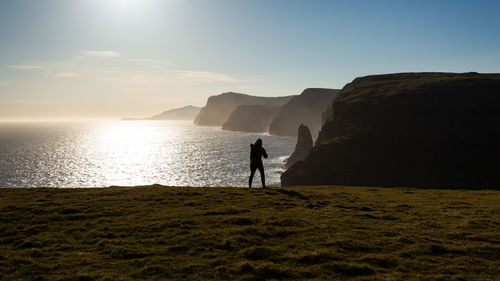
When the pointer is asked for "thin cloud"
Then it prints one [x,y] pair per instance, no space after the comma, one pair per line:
[25,67]
[27,102]
[102,54]
[64,74]
[153,63]
[205,76]
[3,83]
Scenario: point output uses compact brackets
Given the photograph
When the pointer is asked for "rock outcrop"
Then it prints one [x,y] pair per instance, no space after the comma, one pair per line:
[250,118]
[303,109]
[409,129]
[303,146]
[218,108]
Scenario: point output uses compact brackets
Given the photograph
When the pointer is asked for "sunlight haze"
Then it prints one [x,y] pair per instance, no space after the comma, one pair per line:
[108,59]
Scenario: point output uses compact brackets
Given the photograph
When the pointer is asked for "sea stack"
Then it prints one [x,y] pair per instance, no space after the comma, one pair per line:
[431,130]
[303,146]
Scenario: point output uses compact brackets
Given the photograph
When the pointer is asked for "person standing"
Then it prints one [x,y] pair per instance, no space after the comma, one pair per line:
[256,153]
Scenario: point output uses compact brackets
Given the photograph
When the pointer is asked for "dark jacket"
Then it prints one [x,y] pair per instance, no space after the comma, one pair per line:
[256,153]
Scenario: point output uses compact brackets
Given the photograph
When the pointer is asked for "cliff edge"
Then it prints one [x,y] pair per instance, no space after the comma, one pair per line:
[250,118]
[408,129]
[218,108]
[303,109]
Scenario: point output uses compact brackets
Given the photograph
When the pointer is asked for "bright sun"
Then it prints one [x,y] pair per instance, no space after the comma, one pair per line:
[126,5]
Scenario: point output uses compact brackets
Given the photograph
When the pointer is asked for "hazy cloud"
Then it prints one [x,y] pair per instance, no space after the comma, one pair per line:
[3,83]
[205,76]
[27,102]
[25,67]
[153,63]
[64,74]
[102,54]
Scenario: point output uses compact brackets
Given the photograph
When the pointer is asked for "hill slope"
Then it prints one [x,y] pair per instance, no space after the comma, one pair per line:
[183,113]
[183,233]
[409,129]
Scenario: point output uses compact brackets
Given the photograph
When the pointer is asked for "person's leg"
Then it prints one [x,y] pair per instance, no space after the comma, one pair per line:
[262,176]
[252,172]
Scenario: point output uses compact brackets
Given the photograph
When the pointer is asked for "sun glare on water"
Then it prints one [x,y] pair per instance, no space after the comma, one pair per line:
[131,144]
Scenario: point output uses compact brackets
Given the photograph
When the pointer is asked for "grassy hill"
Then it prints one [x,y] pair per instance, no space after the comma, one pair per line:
[157,232]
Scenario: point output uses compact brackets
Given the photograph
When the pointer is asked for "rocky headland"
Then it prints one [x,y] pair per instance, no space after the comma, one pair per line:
[219,107]
[188,112]
[408,129]
[250,118]
[303,109]
[183,113]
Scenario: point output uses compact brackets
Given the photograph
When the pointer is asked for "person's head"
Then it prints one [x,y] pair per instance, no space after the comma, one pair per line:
[258,143]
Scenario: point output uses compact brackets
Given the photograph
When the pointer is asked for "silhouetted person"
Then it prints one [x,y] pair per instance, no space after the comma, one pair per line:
[256,153]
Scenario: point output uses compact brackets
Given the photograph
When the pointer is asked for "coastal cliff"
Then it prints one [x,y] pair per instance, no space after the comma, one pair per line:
[303,109]
[250,118]
[219,108]
[408,129]
[303,146]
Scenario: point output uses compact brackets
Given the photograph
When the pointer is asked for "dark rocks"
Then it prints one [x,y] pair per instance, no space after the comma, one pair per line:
[409,129]
[303,109]
[250,118]
[303,146]
[219,107]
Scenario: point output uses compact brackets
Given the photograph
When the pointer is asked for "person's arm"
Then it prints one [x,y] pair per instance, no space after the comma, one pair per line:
[264,153]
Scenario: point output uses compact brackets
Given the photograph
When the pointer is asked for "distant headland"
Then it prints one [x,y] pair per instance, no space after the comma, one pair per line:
[188,112]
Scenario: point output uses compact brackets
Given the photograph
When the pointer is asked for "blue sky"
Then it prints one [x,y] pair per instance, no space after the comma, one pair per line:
[114,58]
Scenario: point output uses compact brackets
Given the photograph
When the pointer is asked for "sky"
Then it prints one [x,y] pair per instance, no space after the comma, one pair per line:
[107,59]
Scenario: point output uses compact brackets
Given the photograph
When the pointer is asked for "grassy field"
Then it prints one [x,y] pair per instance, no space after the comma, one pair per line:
[156,232]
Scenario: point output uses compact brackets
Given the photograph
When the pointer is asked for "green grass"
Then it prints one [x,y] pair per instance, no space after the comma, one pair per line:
[157,232]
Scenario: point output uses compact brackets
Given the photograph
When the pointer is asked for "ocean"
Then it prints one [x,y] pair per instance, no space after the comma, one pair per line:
[127,153]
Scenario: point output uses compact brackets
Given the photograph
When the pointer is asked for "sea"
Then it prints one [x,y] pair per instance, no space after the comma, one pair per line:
[130,153]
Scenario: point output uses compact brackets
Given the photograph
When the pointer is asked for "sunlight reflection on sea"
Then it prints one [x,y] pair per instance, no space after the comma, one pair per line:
[131,153]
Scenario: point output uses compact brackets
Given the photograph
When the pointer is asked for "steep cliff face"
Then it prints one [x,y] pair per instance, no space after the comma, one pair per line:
[303,146]
[250,118]
[409,129]
[303,109]
[218,108]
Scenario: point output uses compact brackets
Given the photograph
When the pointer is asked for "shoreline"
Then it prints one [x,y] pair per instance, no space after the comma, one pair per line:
[258,187]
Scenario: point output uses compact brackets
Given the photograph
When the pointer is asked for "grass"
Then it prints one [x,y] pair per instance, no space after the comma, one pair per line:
[156,232]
